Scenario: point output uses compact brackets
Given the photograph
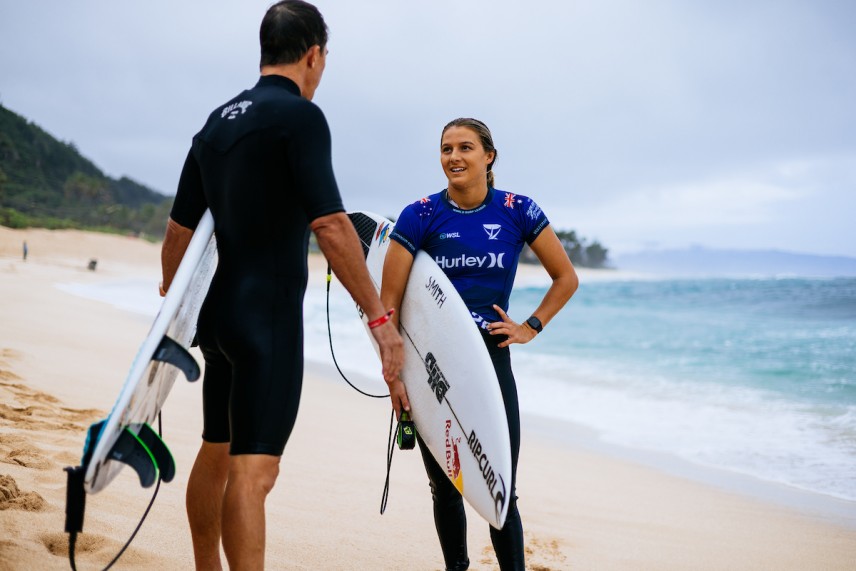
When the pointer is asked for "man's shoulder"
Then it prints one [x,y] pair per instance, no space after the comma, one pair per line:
[260,108]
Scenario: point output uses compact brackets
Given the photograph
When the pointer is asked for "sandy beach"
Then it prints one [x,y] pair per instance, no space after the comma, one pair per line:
[63,359]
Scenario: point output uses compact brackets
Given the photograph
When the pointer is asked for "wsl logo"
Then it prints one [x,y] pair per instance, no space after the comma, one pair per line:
[492,230]
[463,261]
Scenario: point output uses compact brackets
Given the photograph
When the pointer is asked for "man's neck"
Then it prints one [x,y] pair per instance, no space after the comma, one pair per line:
[292,71]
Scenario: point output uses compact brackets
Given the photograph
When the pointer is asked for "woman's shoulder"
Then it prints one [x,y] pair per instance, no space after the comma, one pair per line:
[425,205]
[429,199]
[512,200]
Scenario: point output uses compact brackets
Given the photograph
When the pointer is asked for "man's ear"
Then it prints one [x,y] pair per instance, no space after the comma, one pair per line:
[313,56]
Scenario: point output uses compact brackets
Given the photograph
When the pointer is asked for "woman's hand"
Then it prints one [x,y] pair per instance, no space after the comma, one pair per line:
[517,332]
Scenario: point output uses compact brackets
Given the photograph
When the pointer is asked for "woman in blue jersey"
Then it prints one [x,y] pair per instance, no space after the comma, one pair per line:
[475,232]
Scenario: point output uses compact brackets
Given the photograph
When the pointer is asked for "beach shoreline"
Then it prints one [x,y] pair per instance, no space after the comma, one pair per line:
[62,359]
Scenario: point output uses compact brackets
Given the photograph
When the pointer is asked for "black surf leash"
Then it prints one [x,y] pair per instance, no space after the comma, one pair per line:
[75,506]
[405,437]
[405,430]
[330,338]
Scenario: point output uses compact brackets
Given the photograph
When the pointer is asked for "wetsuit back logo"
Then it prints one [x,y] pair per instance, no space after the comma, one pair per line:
[235,108]
[492,230]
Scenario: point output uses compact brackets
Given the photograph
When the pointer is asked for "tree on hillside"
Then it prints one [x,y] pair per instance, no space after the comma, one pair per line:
[593,255]
[85,190]
[596,255]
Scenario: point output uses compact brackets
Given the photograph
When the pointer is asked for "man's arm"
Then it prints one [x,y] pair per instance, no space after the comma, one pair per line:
[341,246]
[175,243]
[396,271]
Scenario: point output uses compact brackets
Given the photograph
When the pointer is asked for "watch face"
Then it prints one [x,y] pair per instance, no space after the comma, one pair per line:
[535,323]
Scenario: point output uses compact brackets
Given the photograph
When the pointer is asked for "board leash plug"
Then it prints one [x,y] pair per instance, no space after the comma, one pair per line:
[406,433]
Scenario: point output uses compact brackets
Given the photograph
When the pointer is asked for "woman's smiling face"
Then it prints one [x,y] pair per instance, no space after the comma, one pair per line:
[463,158]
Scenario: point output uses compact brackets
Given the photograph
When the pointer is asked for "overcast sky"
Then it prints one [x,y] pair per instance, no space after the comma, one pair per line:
[639,123]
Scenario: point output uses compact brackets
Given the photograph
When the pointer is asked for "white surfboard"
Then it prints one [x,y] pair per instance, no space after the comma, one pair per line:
[152,376]
[454,394]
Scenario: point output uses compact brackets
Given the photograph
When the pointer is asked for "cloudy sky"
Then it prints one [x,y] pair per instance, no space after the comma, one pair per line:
[639,123]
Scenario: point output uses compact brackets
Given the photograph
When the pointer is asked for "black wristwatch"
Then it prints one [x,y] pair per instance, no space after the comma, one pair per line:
[535,324]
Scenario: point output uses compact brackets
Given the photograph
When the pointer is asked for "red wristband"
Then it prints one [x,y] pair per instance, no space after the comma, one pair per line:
[382,319]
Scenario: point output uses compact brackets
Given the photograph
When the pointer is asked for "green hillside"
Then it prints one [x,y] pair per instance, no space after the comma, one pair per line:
[48,183]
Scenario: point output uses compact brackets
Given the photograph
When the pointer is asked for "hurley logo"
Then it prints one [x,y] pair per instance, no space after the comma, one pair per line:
[233,109]
[463,261]
[492,230]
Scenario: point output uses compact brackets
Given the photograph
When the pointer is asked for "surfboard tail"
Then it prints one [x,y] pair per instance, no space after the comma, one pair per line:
[137,446]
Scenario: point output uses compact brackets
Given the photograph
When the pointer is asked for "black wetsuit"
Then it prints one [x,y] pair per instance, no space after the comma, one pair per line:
[262,164]
[478,250]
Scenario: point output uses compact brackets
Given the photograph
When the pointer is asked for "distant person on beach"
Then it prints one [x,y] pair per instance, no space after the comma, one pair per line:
[26,250]
[262,165]
[483,219]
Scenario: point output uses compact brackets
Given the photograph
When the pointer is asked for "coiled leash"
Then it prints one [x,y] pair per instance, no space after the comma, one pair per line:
[405,430]
[330,338]
[75,506]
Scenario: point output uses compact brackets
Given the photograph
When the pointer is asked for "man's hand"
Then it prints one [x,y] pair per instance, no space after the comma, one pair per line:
[391,350]
[398,397]
[392,357]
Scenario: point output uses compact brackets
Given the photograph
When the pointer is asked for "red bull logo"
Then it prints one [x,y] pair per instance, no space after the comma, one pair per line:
[453,461]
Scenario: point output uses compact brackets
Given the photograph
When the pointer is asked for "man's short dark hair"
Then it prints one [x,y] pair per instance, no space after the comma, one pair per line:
[288,30]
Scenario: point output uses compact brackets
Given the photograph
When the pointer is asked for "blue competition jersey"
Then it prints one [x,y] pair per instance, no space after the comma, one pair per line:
[478,249]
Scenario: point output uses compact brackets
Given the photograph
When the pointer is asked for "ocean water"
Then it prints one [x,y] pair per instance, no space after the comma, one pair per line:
[756,376]
[753,376]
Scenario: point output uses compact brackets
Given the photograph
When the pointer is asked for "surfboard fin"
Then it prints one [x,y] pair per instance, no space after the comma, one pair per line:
[169,351]
[131,450]
[141,448]
[157,448]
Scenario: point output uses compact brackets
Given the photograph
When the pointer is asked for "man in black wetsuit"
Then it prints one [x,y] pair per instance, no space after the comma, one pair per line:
[262,165]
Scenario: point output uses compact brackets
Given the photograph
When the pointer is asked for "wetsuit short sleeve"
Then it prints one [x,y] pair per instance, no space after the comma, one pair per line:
[409,231]
[189,204]
[310,159]
[533,220]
